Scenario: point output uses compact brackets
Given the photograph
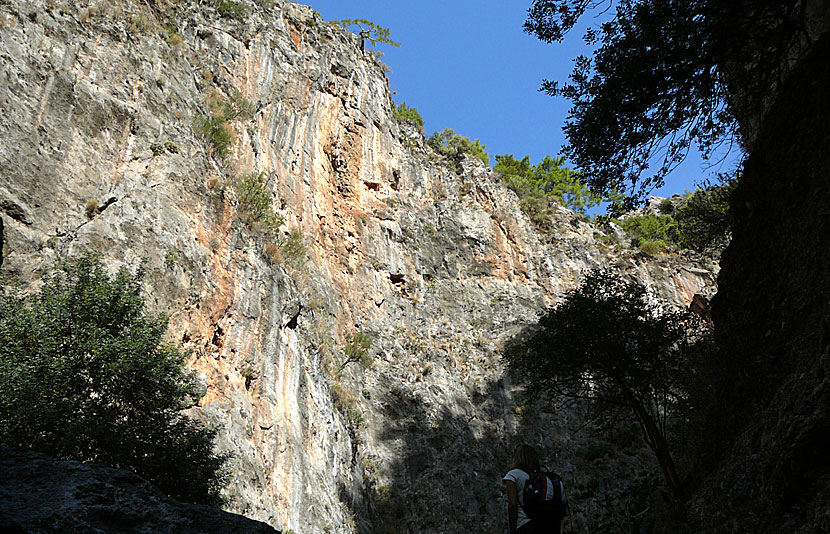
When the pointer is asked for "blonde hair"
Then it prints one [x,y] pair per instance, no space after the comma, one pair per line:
[525,458]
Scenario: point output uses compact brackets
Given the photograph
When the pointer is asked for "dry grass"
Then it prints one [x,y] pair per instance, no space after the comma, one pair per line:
[91,208]
[274,253]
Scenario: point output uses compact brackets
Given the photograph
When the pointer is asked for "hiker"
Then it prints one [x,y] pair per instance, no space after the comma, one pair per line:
[526,481]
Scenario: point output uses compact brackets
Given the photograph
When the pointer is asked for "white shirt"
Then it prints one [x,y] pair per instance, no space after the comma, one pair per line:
[519,477]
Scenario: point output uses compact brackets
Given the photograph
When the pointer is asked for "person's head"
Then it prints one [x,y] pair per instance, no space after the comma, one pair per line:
[525,458]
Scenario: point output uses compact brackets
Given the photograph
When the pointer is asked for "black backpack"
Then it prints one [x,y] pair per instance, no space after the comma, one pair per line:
[543,498]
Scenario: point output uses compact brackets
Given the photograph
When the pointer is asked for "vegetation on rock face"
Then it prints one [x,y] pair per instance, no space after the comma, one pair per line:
[85,375]
[214,128]
[292,249]
[214,131]
[230,9]
[538,184]
[698,224]
[255,203]
[702,221]
[455,146]
[410,116]
[659,79]
[357,349]
[651,233]
[369,30]
[610,343]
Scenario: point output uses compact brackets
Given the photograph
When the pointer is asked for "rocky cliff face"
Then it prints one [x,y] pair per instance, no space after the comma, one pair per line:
[770,471]
[98,150]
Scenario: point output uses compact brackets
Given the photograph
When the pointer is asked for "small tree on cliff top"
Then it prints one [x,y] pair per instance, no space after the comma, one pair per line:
[371,31]
[85,375]
[611,344]
[548,178]
[454,146]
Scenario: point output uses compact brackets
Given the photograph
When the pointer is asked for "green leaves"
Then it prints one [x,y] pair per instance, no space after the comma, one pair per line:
[256,202]
[454,146]
[698,224]
[703,221]
[214,131]
[409,115]
[371,31]
[651,231]
[85,374]
[664,75]
[612,344]
[357,349]
[537,184]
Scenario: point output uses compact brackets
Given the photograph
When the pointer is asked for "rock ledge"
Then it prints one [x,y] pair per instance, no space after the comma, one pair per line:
[41,494]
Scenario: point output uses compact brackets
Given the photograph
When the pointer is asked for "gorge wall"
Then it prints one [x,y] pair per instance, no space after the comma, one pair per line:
[98,151]
[769,469]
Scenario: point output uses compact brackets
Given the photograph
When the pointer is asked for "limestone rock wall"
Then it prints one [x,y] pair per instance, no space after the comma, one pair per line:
[99,150]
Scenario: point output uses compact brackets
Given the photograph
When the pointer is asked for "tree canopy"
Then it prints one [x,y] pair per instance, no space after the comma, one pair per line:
[611,343]
[85,375]
[536,184]
[454,146]
[371,31]
[409,115]
[665,75]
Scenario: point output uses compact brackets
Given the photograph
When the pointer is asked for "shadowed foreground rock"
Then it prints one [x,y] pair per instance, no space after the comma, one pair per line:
[40,494]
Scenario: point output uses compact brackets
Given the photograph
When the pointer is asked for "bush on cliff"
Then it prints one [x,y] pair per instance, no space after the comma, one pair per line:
[702,221]
[699,224]
[537,184]
[454,146]
[85,375]
[409,116]
[651,232]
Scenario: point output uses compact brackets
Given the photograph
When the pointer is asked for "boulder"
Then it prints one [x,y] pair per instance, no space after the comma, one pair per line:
[41,494]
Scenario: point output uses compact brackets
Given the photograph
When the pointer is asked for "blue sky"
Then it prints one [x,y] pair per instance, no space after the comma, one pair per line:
[467,65]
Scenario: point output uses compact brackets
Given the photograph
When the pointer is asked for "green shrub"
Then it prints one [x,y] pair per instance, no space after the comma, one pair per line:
[288,250]
[703,219]
[537,185]
[238,106]
[230,9]
[696,224]
[255,203]
[357,349]
[369,30]
[410,116]
[214,131]
[454,146]
[171,258]
[293,249]
[172,35]
[652,228]
[85,374]
[666,206]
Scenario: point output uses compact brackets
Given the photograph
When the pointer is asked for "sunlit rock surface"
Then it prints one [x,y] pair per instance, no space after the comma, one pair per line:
[441,268]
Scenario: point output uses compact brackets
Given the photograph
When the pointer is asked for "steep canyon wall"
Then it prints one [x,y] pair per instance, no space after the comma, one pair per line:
[99,151]
[769,470]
